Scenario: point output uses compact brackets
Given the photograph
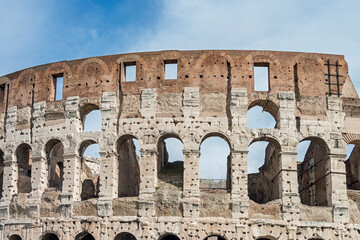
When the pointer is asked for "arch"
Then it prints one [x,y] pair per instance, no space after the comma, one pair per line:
[215,146]
[352,165]
[89,61]
[125,236]
[266,238]
[264,184]
[50,236]
[54,151]
[268,106]
[15,237]
[84,236]
[312,172]
[169,236]
[170,161]
[90,171]
[129,167]
[23,159]
[90,117]
[215,237]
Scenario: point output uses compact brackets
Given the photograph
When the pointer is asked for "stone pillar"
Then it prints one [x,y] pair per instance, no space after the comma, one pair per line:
[71,185]
[38,184]
[191,183]
[148,180]
[9,185]
[239,184]
[109,179]
[336,188]
[288,188]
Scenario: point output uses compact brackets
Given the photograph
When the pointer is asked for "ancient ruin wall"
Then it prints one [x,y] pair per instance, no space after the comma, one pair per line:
[310,96]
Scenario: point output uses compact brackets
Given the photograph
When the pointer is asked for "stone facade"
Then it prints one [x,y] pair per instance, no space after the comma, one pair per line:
[42,142]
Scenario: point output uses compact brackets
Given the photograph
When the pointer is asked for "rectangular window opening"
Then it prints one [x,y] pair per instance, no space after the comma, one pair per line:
[58,86]
[170,69]
[261,77]
[130,71]
[2,93]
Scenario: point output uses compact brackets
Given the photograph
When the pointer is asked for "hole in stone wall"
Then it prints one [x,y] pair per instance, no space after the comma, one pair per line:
[128,149]
[312,171]
[169,237]
[215,164]
[125,236]
[170,69]
[257,117]
[15,237]
[261,77]
[50,236]
[58,86]
[214,237]
[263,169]
[23,157]
[55,159]
[2,94]
[170,161]
[90,171]
[93,121]
[84,236]
[353,166]
[130,71]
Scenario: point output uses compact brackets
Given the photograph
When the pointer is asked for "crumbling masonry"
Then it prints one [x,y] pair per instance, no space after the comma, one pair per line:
[50,190]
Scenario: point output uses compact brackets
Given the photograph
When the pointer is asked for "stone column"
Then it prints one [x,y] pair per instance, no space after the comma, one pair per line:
[109,179]
[336,187]
[288,188]
[71,185]
[9,184]
[239,184]
[191,183]
[38,184]
[148,180]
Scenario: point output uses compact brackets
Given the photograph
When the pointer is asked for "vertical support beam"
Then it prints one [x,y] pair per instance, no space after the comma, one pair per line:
[191,185]
[9,185]
[71,184]
[239,184]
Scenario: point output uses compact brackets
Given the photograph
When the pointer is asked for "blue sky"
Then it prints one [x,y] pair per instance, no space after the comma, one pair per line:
[43,31]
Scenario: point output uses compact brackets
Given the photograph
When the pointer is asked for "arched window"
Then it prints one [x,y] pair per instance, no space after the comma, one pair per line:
[23,157]
[55,159]
[169,236]
[352,164]
[170,163]
[15,237]
[215,163]
[1,172]
[312,171]
[125,236]
[84,236]
[263,169]
[91,118]
[262,114]
[214,237]
[90,169]
[128,149]
[50,236]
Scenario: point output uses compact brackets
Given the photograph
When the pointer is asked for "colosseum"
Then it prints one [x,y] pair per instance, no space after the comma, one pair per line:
[50,190]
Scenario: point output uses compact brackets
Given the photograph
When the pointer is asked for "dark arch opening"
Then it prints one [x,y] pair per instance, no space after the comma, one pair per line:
[2,166]
[55,158]
[169,237]
[84,236]
[128,149]
[91,119]
[215,163]
[170,164]
[214,237]
[90,169]
[263,169]
[312,166]
[50,236]
[15,237]
[23,157]
[125,236]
